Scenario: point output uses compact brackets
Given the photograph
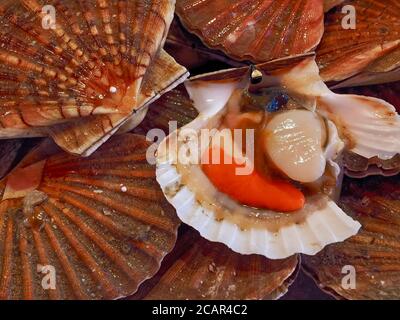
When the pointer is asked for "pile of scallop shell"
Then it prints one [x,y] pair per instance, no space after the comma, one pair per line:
[91,204]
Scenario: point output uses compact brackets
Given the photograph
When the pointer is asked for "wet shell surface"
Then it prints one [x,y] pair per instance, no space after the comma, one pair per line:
[373,255]
[199,204]
[259,30]
[80,77]
[367,49]
[99,224]
[198,269]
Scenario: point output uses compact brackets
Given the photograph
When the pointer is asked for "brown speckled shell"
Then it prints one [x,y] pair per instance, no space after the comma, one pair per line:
[104,226]
[374,252]
[200,269]
[255,30]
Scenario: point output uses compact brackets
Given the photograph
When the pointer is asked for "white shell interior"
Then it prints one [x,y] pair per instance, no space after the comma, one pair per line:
[321,228]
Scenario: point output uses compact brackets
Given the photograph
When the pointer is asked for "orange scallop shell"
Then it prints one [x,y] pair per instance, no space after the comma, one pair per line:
[374,252]
[203,270]
[101,222]
[255,30]
[368,53]
[80,76]
[175,106]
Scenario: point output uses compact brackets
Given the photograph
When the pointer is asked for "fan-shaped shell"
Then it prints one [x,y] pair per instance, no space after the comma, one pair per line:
[189,51]
[198,269]
[175,106]
[97,63]
[259,30]
[357,166]
[101,222]
[221,219]
[373,253]
[369,50]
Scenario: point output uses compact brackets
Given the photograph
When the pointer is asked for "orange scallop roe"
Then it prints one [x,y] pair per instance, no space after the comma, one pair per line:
[253,190]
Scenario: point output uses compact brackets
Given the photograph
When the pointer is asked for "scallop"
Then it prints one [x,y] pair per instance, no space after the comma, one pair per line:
[82,77]
[204,270]
[367,50]
[375,202]
[294,142]
[255,29]
[99,225]
[303,144]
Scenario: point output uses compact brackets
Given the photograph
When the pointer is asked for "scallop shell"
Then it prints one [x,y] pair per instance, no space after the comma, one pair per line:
[80,77]
[387,92]
[198,269]
[8,153]
[374,252]
[259,30]
[210,93]
[101,222]
[357,166]
[174,105]
[189,51]
[367,54]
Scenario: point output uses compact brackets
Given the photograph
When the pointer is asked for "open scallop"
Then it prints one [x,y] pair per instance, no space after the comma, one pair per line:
[300,130]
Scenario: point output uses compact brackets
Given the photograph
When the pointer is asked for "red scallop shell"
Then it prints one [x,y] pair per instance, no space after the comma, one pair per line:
[255,30]
[367,52]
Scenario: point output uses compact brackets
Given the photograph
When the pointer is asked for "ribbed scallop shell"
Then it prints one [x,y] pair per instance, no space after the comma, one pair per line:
[256,30]
[371,48]
[175,106]
[189,51]
[374,252]
[81,80]
[198,269]
[8,153]
[103,224]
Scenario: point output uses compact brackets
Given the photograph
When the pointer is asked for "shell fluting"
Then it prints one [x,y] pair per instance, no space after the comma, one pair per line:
[100,222]
[259,30]
[96,60]
[362,43]
[202,270]
[373,253]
